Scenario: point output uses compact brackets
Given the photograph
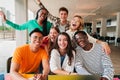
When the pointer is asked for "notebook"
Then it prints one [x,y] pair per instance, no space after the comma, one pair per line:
[73,77]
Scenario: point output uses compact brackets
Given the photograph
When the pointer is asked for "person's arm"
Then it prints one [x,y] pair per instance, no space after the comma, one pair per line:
[103,78]
[15,64]
[108,67]
[13,25]
[55,65]
[40,4]
[45,65]
[46,68]
[16,26]
[46,43]
[105,45]
[62,72]
[3,16]
[14,72]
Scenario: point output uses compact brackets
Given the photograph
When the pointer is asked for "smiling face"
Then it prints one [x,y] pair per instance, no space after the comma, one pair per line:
[82,40]
[62,42]
[42,14]
[36,39]
[75,23]
[63,15]
[53,34]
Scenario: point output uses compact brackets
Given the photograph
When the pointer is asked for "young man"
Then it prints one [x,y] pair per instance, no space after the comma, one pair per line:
[27,58]
[62,23]
[91,59]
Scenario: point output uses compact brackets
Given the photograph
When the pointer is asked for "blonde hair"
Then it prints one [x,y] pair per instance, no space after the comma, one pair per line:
[81,22]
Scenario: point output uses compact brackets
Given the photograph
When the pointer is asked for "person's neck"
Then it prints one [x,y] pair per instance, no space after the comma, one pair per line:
[63,22]
[62,52]
[34,49]
[40,22]
[88,46]
[73,30]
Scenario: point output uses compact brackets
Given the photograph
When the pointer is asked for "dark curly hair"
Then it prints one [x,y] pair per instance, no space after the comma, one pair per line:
[45,32]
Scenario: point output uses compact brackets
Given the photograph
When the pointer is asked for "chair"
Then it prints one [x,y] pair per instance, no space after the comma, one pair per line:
[101,38]
[107,38]
[40,68]
[118,40]
[112,39]
[9,64]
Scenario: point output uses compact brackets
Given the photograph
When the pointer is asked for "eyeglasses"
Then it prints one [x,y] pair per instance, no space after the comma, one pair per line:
[37,38]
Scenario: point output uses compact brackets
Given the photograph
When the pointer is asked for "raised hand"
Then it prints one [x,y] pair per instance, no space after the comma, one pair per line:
[39,77]
[37,1]
[103,78]
[106,47]
[2,15]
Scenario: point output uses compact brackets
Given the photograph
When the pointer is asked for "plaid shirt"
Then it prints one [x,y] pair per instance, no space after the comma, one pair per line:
[55,20]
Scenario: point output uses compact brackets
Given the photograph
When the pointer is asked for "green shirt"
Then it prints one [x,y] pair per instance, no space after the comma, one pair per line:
[30,25]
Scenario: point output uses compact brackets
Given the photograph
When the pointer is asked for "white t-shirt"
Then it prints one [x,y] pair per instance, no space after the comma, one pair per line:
[90,38]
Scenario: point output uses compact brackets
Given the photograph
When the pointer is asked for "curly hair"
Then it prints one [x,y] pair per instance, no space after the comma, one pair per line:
[45,32]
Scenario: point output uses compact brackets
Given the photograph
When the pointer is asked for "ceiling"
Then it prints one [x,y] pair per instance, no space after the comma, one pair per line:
[89,9]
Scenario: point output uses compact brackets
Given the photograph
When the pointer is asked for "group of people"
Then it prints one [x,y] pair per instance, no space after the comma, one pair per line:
[60,48]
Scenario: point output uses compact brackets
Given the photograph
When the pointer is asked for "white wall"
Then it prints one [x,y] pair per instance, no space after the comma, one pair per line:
[6,50]
[6,47]
[111,29]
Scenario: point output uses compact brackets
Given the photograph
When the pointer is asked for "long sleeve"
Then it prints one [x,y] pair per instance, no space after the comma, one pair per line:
[29,25]
[108,67]
[79,65]
[16,26]
[91,39]
[97,57]
[55,60]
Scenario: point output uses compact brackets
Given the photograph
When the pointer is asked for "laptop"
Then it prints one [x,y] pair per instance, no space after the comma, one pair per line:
[73,77]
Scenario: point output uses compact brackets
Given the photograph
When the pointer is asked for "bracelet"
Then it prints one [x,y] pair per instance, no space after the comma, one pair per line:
[69,73]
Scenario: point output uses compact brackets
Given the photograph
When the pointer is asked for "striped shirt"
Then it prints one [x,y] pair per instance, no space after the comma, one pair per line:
[94,61]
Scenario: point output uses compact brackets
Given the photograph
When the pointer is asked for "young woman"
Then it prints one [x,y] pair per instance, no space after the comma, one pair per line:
[77,24]
[48,41]
[39,22]
[62,56]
